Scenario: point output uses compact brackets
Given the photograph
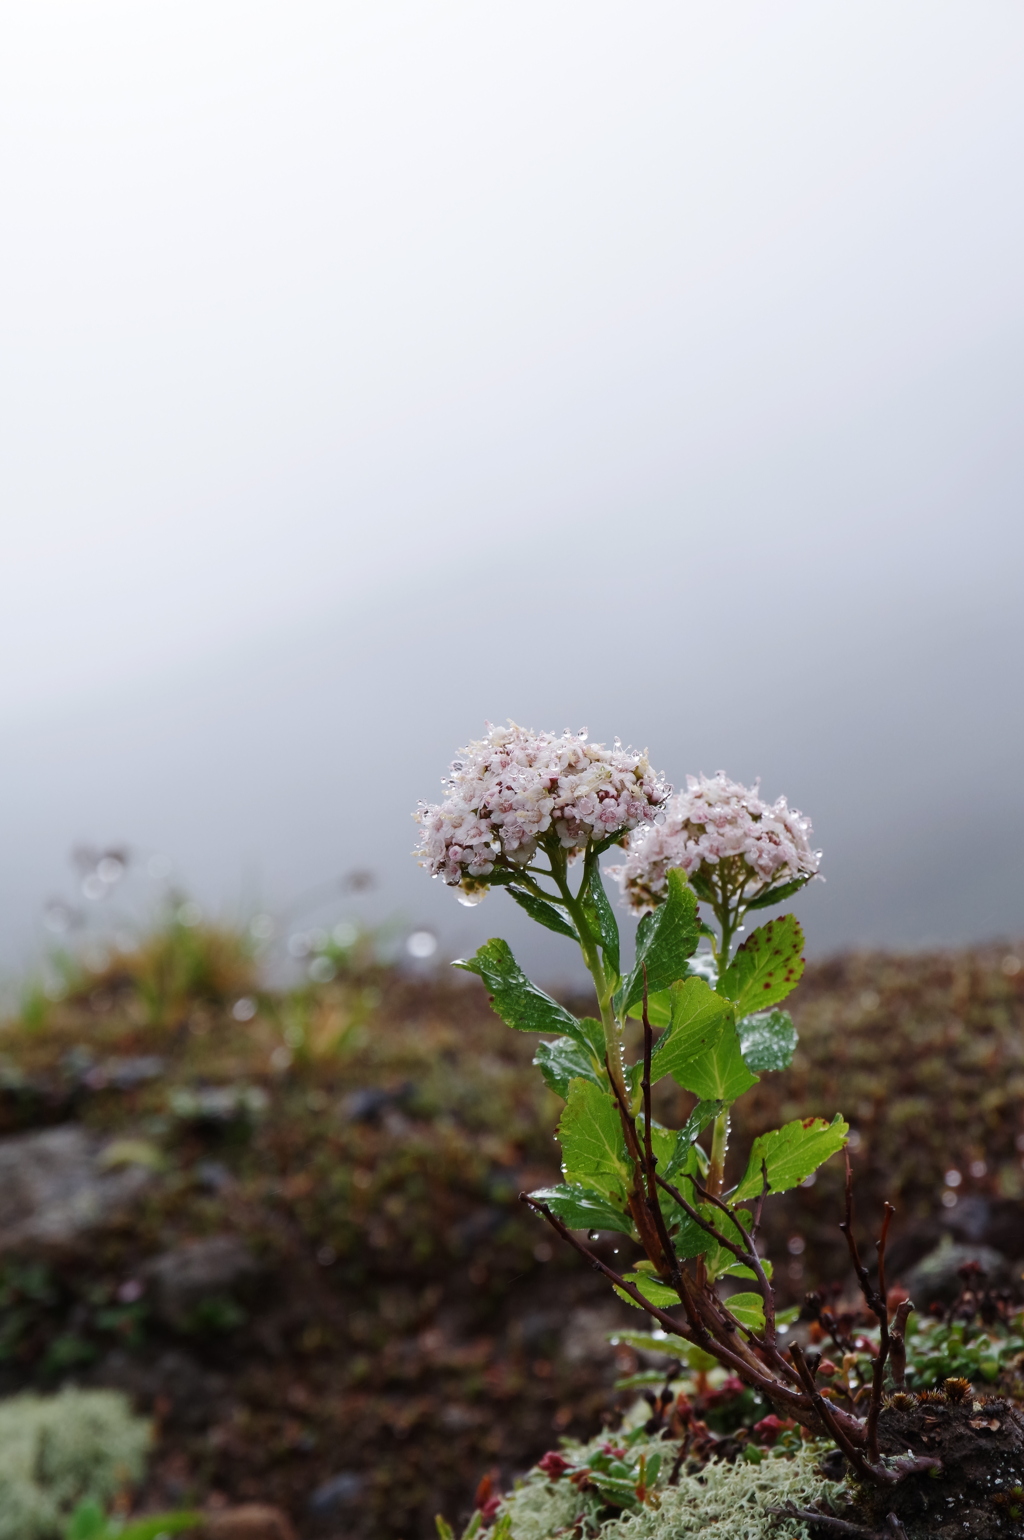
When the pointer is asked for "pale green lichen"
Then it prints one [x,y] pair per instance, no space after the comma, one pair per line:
[57,1451]
[729,1500]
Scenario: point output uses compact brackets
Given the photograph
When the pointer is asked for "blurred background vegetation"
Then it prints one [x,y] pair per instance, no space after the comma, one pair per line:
[265,1183]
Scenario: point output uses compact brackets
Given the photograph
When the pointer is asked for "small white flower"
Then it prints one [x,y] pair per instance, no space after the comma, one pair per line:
[508,790]
[717,821]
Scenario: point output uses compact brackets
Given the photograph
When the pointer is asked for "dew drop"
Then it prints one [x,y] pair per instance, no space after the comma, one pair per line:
[593,1235]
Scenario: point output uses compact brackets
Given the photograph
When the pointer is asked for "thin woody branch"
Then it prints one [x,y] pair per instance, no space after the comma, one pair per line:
[695,1331]
[876,1302]
[749,1258]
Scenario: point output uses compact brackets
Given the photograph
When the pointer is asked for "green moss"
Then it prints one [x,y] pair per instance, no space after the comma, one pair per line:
[58,1451]
[728,1499]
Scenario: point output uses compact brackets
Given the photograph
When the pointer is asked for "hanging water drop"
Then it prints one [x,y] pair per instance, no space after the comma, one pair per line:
[593,1235]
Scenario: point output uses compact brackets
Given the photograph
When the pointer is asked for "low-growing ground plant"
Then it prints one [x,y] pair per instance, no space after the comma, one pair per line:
[534,813]
[61,1453]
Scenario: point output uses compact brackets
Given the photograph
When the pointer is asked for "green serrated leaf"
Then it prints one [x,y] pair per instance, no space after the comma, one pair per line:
[565,1058]
[780,894]
[673,1347]
[593,1146]
[718,1259]
[583,1209]
[601,918]
[698,1022]
[767,966]
[720,1074]
[767,1040]
[748,1310]
[791,1153]
[518,1002]
[544,913]
[648,1342]
[665,940]
[653,1290]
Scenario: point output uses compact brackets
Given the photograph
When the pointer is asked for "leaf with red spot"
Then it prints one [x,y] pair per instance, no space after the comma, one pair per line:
[767,966]
[788,1155]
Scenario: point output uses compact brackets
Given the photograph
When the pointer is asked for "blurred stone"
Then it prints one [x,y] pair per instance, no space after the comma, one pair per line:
[181,1280]
[54,1186]
[341,1490]
[252,1521]
[372,1103]
[124,1074]
[936,1277]
[212,1175]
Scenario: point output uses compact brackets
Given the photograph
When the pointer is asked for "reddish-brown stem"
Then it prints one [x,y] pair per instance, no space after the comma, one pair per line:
[838,1433]
[760,1202]
[696,1331]
[749,1258]
[876,1303]
[898,1344]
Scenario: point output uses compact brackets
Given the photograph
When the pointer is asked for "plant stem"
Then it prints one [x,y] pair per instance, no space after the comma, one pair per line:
[591,956]
[719,1148]
[720,1134]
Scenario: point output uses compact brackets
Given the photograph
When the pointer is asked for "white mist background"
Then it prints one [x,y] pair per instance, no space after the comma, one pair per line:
[373,370]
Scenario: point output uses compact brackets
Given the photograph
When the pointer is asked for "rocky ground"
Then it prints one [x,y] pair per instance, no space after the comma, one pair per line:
[295,1239]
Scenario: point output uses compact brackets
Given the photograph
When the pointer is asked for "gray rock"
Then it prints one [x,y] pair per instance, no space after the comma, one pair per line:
[339,1492]
[124,1074]
[935,1277]
[54,1186]
[180,1281]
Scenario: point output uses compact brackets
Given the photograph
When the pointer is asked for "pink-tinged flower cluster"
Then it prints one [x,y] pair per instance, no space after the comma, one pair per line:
[508,790]
[716,820]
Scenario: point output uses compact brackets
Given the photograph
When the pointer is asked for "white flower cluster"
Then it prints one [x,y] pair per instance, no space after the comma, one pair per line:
[509,789]
[717,820]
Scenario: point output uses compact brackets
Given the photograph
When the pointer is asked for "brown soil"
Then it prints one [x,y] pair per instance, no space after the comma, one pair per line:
[977,1492]
[411,1328]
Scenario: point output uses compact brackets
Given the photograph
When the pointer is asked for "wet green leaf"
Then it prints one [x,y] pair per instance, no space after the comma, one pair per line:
[544,913]
[718,1074]
[665,940]
[601,918]
[565,1059]
[593,1146]
[653,1290]
[791,1153]
[748,1310]
[767,1040]
[518,1002]
[767,966]
[699,1019]
[780,894]
[583,1209]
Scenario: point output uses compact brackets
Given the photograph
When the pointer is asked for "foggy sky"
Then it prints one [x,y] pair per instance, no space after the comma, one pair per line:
[371,371]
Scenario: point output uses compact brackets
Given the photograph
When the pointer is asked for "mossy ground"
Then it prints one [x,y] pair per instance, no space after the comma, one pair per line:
[413,1326]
